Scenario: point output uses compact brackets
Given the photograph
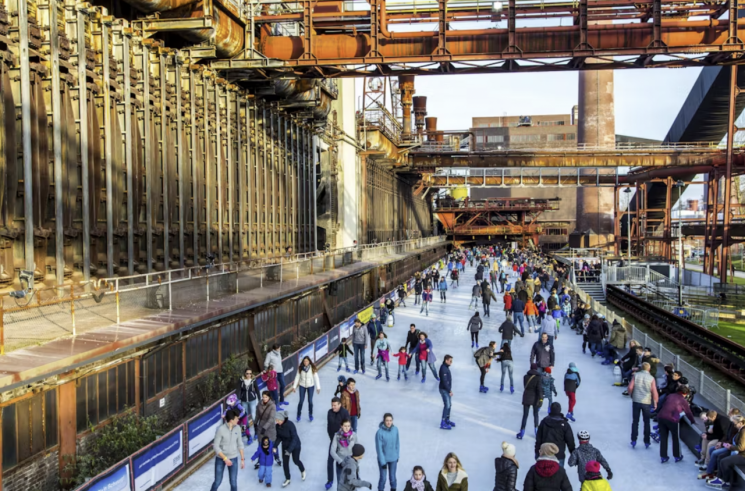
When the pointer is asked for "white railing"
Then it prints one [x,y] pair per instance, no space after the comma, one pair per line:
[707,387]
[661,281]
[50,313]
[626,275]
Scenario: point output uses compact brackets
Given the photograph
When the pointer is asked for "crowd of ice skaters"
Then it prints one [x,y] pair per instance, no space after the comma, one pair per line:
[537,298]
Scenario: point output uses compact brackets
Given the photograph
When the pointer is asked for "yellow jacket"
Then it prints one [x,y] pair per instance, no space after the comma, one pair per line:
[596,485]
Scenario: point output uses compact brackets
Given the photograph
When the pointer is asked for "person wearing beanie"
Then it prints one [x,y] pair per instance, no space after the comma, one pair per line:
[547,474]
[586,453]
[572,380]
[532,397]
[555,429]
[506,468]
[349,477]
[594,480]
[288,437]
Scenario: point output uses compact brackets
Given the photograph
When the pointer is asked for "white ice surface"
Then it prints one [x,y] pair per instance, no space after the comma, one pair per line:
[483,420]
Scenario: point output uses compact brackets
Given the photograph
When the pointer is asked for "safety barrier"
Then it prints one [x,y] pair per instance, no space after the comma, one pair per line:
[721,398]
[51,313]
[191,441]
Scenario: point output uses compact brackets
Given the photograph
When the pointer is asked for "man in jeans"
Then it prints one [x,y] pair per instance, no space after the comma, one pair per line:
[228,445]
[274,358]
[446,391]
[359,341]
[643,392]
[518,306]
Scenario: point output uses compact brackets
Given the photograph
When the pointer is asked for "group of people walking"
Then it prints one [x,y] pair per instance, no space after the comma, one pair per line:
[536,297]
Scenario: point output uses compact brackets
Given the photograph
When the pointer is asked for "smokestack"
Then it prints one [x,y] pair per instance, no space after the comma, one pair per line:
[420,111]
[431,124]
[406,85]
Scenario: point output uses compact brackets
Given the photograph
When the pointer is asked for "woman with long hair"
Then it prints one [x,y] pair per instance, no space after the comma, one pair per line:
[452,477]
[418,481]
[307,380]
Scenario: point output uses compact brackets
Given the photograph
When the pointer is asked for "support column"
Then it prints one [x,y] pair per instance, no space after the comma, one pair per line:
[596,127]
[734,91]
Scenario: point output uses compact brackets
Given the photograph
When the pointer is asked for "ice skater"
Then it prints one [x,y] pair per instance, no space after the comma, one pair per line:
[474,326]
[384,350]
[403,358]
[572,380]
[443,289]
[483,358]
[343,351]
[426,300]
[446,391]
[424,352]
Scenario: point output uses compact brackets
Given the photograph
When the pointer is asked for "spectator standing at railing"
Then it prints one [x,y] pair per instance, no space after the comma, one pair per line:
[274,358]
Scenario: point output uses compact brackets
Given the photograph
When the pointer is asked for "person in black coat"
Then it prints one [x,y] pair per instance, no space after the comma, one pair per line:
[287,436]
[532,397]
[418,288]
[509,330]
[595,335]
[506,469]
[555,429]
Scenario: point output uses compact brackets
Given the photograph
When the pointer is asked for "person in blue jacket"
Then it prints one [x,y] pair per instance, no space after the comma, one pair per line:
[446,391]
[265,455]
[387,446]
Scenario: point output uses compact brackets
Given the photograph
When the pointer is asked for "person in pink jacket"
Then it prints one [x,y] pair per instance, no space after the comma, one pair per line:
[668,418]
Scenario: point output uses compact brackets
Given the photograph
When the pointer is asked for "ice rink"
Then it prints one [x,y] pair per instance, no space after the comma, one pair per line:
[483,420]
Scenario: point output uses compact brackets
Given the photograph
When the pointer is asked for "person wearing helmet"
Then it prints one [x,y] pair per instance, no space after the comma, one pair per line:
[232,404]
[585,453]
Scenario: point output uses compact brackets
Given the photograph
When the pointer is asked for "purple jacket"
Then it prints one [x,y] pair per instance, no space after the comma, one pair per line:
[427,345]
[674,405]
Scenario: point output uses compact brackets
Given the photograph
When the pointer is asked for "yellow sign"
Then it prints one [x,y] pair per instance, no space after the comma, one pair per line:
[365,315]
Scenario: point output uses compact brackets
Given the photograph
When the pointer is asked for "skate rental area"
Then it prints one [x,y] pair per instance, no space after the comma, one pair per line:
[212,210]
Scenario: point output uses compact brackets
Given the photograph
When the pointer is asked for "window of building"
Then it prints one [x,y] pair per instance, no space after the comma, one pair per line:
[551,123]
[482,125]
[571,136]
[105,394]
[553,138]
[201,353]
[495,139]
[524,138]
[495,125]
[29,427]
[479,139]
[163,369]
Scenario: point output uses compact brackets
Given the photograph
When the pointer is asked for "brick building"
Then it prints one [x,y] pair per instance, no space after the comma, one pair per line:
[502,132]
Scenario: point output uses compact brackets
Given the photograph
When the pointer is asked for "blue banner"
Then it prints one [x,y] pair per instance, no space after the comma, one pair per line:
[159,461]
[334,339]
[307,351]
[322,347]
[345,329]
[201,430]
[118,478]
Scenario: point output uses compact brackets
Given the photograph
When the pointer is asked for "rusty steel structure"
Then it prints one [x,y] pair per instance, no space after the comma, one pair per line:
[123,152]
[336,39]
[515,218]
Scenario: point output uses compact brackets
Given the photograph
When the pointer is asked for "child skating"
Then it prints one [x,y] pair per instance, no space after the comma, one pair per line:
[403,358]
[343,351]
[384,350]
[264,454]
[549,388]
[571,384]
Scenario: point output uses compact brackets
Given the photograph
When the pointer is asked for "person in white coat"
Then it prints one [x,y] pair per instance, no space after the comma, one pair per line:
[307,379]
[274,358]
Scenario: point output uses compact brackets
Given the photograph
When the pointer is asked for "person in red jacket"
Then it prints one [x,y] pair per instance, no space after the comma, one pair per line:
[668,419]
[508,304]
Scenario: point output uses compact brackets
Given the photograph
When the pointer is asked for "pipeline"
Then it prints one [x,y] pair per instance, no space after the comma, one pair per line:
[227,34]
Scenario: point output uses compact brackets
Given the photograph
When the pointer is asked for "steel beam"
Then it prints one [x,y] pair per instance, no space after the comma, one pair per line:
[734,91]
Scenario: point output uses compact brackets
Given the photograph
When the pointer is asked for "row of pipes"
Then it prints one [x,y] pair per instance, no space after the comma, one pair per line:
[119,155]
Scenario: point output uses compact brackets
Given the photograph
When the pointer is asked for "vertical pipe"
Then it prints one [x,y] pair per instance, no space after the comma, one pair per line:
[28,189]
[194,163]
[128,152]
[180,161]
[282,155]
[265,171]
[83,121]
[231,176]
[218,161]
[59,241]
[241,186]
[299,212]
[165,144]
[314,216]
[207,166]
[108,144]
[148,157]
[249,187]
[273,176]
[734,91]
